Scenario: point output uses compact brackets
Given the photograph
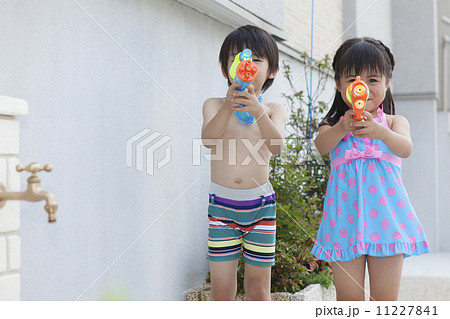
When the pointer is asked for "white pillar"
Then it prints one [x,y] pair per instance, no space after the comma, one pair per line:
[416,94]
[10,213]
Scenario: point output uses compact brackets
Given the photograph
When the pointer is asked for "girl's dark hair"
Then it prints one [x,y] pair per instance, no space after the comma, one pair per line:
[257,40]
[353,57]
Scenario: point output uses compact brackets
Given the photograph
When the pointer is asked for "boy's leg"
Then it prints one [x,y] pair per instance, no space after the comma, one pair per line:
[223,279]
[257,282]
[349,278]
[259,257]
[384,275]
[224,250]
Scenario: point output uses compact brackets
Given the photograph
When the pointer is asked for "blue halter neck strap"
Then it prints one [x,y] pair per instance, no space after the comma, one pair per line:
[246,117]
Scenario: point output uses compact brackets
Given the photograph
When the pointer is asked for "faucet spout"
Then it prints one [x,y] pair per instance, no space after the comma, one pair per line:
[50,205]
[33,193]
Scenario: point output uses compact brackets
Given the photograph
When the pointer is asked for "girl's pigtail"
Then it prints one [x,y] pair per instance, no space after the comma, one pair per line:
[388,103]
[391,56]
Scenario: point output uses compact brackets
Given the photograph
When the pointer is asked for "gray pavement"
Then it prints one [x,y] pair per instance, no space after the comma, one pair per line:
[426,277]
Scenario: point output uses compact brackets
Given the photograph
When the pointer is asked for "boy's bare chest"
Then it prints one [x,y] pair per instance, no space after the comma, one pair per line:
[235,129]
[244,139]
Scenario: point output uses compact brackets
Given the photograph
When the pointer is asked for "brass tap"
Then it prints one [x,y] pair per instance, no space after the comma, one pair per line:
[33,193]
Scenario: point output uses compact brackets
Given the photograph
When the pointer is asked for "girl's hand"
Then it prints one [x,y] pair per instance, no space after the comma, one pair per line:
[368,128]
[347,121]
[250,101]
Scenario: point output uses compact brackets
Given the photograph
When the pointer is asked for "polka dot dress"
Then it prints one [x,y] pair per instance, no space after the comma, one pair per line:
[366,208]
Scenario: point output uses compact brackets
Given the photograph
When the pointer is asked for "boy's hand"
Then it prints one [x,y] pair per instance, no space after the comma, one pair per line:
[250,101]
[369,128]
[230,96]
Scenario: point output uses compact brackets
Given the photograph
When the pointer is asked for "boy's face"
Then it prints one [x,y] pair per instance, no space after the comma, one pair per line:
[261,76]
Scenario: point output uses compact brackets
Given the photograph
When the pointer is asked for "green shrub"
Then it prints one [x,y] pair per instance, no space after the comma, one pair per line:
[299,176]
[295,267]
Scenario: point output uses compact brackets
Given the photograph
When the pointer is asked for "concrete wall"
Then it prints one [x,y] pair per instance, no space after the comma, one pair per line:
[94,76]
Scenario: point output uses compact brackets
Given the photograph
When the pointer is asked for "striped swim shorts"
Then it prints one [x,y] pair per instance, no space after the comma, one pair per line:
[242,219]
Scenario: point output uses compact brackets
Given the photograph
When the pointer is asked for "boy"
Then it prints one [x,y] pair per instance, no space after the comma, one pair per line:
[242,207]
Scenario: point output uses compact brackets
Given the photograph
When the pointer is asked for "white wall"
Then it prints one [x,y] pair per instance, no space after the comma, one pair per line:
[86,98]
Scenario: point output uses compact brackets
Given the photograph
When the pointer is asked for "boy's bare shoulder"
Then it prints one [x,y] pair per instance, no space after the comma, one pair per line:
[276,109]
[213,102]
[210,108]
[212,105]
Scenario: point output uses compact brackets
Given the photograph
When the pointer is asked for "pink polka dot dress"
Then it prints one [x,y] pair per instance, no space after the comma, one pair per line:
[366,208]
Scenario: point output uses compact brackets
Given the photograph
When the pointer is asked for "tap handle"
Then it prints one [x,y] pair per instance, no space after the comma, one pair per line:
[34,168]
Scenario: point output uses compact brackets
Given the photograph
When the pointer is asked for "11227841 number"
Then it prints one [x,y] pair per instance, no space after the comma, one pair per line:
[407,310]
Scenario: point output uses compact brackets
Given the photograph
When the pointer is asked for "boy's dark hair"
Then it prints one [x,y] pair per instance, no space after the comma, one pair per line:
[353,57]
[257,40]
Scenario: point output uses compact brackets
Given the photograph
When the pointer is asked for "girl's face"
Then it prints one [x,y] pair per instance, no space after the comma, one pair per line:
[377,83]
[261,76]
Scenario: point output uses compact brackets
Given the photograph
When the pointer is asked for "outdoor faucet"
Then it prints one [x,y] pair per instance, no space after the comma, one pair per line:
[33,192]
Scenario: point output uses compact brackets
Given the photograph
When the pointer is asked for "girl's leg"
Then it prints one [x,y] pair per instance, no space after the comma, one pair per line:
[257,282]
[384,275]
[223,279]
[349,278]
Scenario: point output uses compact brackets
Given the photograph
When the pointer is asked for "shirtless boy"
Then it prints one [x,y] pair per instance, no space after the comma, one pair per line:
[242,206]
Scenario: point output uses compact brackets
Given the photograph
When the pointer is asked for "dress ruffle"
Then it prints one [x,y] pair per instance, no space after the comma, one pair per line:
[371,249]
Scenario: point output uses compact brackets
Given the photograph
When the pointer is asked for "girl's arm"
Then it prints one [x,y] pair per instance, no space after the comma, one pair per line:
[397,138]
[329,137]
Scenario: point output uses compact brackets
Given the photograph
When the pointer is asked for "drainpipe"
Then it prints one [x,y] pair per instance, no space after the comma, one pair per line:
[445,44]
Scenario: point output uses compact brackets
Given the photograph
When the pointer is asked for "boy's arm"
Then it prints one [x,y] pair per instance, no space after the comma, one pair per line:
[272,128]
[215,120]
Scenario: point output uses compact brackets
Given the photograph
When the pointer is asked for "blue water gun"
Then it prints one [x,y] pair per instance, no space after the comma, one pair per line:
[243,71]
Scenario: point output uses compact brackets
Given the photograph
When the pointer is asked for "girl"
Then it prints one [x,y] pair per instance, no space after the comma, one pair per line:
[367,214]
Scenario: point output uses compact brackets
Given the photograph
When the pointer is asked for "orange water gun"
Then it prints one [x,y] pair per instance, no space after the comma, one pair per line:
[357,94]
